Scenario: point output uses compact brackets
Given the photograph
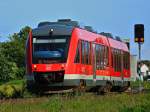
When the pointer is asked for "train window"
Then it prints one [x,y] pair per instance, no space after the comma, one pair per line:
[89,49]
[112,56]
[126,59]
[102,57]
[77,58]
[120,61]
[106,57]
[86,53]
[83,52]
[86,58]
[116,59]
[47,51]
[97,56]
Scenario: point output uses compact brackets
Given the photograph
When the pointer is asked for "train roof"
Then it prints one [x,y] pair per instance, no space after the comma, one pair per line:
[54,29]
[60,27]
[101,39]
[66,26]
[118,44]
[90,36]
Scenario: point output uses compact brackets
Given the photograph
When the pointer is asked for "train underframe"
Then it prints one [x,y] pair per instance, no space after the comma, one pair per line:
[54,81]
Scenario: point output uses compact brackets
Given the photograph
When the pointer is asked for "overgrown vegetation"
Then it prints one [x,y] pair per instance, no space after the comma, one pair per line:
[85,103]
[145,84]
[12,89]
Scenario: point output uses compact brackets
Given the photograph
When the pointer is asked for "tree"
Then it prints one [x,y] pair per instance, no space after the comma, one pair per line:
[8,70]
[12,54]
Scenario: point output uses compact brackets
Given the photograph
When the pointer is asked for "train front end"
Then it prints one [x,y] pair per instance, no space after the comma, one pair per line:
[46,54]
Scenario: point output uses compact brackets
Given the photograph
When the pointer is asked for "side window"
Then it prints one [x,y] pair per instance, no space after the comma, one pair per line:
[106,57]
[89,54]
[102,57]
[126,59]
[115,59]
[97,56]
[77,57]
[112,57]
[86,53]
[119,60]
[83,52]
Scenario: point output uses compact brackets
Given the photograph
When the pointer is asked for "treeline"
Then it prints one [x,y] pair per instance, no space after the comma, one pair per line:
[12,56]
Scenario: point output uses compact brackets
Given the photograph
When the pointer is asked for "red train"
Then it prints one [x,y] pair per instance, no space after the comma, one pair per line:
[61,54]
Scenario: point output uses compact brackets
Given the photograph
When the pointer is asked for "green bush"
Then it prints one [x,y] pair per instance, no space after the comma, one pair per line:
[12,89]
[9,91]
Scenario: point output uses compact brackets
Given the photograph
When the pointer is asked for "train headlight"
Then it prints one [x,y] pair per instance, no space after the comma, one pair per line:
[62,66]
[34,66]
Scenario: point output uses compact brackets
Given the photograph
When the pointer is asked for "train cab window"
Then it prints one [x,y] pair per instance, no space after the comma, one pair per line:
[47,50]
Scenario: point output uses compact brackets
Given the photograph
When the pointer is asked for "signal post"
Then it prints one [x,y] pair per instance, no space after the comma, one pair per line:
[139,38]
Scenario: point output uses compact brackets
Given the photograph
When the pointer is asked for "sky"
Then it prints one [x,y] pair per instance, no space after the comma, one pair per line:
[115,16]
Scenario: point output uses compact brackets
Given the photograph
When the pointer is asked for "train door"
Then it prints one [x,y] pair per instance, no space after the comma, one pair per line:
[94,61]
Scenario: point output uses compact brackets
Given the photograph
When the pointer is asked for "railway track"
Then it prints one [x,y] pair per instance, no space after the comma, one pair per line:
[133,90]
[71,93]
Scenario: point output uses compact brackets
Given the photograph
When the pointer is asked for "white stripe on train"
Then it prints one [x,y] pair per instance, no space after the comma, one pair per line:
[90,77]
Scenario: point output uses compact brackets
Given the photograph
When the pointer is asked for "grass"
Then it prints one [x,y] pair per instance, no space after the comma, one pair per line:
[145,84]
[84,103]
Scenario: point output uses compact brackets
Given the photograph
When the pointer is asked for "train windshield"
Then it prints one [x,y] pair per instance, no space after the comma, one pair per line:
[50,50]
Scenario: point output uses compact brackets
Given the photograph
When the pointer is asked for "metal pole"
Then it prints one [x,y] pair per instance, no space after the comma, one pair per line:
[139,51]
[140,84]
